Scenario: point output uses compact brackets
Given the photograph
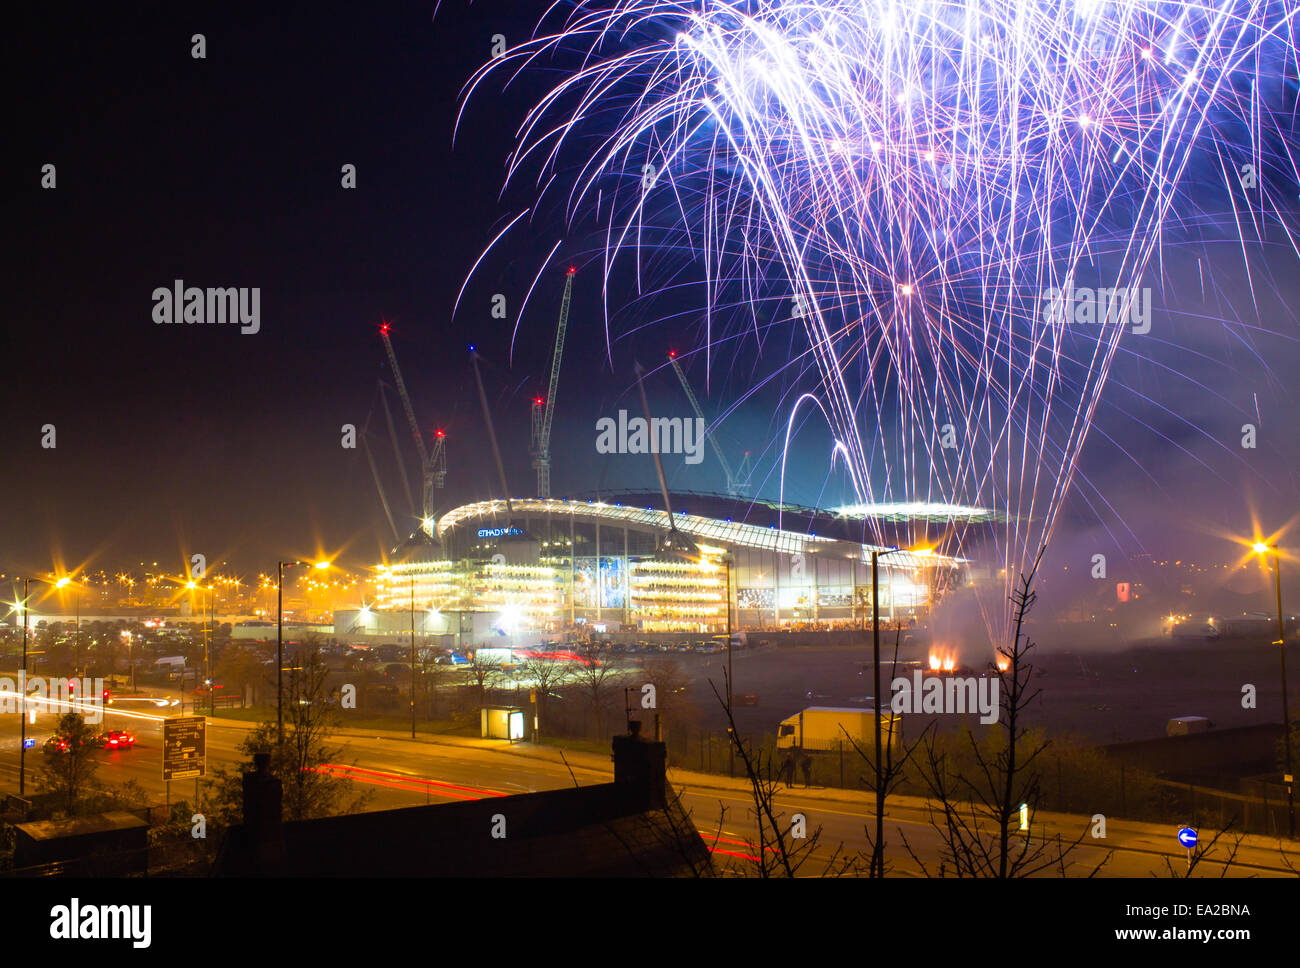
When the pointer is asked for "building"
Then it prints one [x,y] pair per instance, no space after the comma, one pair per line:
[546,564]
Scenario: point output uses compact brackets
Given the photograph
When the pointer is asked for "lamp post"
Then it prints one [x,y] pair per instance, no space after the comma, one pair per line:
[279,640]
[207,654]
[22,611]
[1261,548]
[878,853]
[731,747]
[412,656]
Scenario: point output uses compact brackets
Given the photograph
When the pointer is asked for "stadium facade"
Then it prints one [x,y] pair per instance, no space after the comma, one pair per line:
[548,564]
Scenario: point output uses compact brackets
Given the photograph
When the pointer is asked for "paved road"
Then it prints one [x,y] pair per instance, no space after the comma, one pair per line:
[399,772]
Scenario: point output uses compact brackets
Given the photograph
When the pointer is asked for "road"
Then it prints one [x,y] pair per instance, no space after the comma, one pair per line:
[400,772]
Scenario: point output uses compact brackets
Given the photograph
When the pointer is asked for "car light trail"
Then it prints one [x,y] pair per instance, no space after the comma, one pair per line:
[398,781]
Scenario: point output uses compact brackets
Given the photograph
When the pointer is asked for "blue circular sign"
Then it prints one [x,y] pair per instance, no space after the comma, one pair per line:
[1187,837]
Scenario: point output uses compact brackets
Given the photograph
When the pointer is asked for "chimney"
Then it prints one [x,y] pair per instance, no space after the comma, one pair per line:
[640,770]
[263,796]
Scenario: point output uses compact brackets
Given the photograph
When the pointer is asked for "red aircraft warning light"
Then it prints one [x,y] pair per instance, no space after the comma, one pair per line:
[572,270]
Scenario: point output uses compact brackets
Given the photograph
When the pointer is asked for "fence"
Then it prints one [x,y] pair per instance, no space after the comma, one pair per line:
[1077,780]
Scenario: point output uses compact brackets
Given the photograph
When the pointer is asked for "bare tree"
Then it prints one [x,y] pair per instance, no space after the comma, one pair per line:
[670,682]
[597,681]
[484,673]
[546,675]
[884,777]
[974,812]
[429,678]
[239,666]
[778,851]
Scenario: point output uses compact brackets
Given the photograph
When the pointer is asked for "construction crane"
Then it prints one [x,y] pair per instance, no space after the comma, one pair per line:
[433,464]
[374,468]
[544,408]
[733,479]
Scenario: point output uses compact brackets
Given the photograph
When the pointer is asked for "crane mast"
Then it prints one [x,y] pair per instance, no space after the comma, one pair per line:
[544,409]
[433,465]
[733,481]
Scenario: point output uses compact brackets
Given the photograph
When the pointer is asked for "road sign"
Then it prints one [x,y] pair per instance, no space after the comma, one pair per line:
[29,743]
[184,747]
[1187,837]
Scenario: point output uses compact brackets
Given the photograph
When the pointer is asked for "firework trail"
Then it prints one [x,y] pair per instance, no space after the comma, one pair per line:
[923,185]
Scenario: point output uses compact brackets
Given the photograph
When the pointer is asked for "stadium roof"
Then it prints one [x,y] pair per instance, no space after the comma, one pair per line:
[700,527]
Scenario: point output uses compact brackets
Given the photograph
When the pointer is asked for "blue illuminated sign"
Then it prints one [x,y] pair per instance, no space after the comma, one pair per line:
[499,532]
[1187,837]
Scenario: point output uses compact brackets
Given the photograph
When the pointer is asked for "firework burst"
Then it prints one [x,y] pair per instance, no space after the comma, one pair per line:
[922,185]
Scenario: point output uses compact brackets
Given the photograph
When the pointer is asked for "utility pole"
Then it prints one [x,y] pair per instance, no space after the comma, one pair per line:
[22,609]
[1289,778]
[731,713]
[279,654]
[878,848]
[22,746]
[412,656]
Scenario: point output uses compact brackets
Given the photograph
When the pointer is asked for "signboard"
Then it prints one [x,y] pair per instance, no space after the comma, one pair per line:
[1187,837]
[184,747]
[499,532]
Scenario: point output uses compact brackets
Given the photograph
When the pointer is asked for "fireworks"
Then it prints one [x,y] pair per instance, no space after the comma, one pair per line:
[923,187]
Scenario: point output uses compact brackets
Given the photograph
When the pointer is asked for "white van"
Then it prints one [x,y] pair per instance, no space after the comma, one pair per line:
[1187,725]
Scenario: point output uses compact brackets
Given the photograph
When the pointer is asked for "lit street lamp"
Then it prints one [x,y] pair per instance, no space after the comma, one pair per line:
[209,591]
[279,639]
[1260,548]
[22,612]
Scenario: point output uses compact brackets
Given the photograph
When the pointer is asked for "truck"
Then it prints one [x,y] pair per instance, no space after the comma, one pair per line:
[505,658]
[824,728]
[1187,725]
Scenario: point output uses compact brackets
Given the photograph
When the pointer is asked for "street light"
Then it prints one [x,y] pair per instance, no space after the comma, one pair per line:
[207,655]
[878,853]
[412,655]
[279,639]
[731,747]
[1261,548]
[22,611]
[61,584]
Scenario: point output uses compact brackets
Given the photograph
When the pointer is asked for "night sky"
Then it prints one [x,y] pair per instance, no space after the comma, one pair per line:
[226,172]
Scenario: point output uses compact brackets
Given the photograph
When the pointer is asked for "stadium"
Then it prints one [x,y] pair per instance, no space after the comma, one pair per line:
[619,563]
